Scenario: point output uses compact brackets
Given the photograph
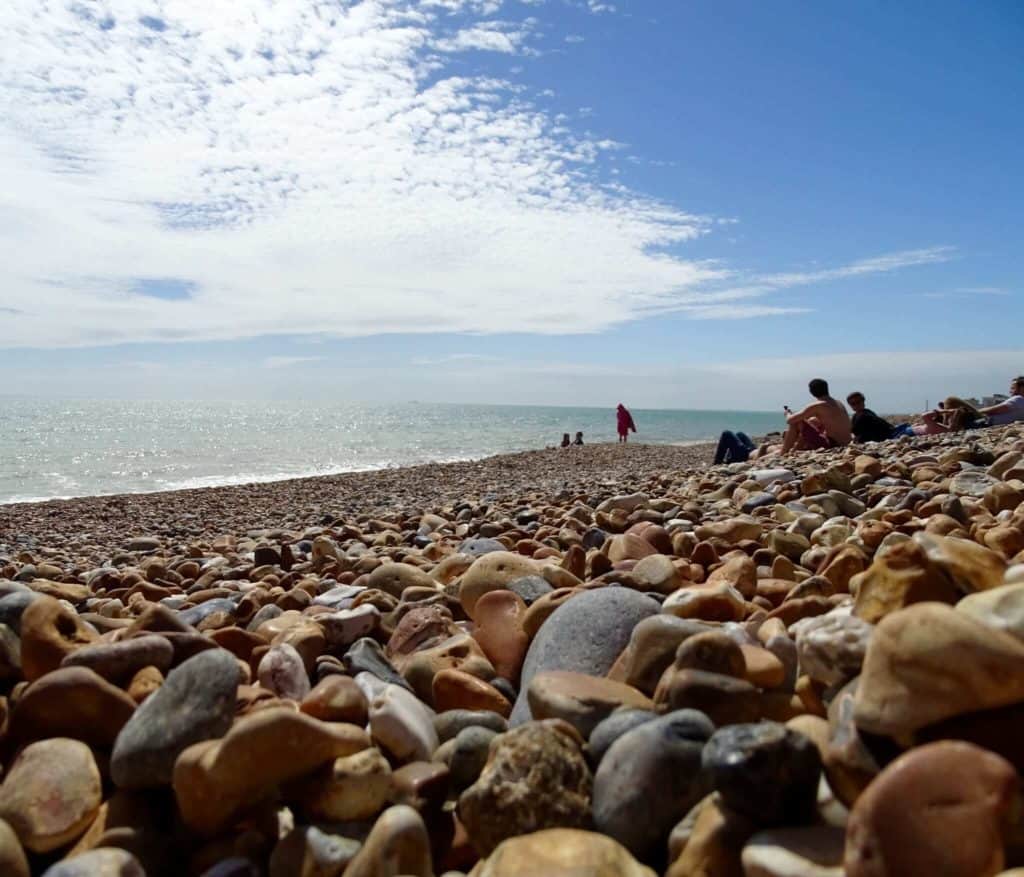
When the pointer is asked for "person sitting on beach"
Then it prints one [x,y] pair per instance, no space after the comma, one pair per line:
[565,440]
[1009,410]
[733,447]
[579,439]
[825,423]
[868,426]
[624,422]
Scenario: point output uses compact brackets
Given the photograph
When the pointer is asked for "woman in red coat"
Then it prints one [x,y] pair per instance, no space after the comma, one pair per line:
[624,422]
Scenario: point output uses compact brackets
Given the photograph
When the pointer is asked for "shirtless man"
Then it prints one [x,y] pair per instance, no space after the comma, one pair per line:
[825,423]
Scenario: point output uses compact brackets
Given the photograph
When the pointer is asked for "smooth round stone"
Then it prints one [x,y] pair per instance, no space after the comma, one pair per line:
[561,852]
[121,660]
[393,578]
[610,729]
[766,772]
[448,724]
[584,635]
[499,631]
[283,672]
[469,755]
[653,645]
[337,699]
[944,808]
[51,793]
[633,803]
[402,724]
[492,572]
[71,702]
[831,648]
[536,778]
[103,862]
[196,702]
[756,501]
[529,588]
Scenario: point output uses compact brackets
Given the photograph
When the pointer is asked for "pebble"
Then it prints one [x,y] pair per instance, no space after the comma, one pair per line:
[536,778]
[943,808]
[196,702]
[50,793]
[632,802]
[851,611]
[98,863]
[766,772]
[561,852]
[584,635]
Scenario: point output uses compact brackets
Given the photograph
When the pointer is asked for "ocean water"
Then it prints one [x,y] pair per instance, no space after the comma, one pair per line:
[52,449]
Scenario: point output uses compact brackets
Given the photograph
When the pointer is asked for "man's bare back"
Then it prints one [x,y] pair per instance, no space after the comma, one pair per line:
[833,417]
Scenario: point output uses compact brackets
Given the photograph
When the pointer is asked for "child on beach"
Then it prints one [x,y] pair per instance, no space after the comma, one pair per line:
[579,439]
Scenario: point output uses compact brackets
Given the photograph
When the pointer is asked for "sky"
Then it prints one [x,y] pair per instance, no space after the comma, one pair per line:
[677,204]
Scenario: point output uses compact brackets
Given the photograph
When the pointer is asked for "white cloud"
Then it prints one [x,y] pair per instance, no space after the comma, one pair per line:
[286,361]
[454,358]
[316,168]
[492,36]
[575,38]
[968,292]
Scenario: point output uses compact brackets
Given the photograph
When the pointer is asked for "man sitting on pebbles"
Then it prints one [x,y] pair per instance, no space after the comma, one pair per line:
[825,423]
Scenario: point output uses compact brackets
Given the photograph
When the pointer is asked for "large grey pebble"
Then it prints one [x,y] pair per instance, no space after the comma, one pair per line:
[195,703]
[583,635]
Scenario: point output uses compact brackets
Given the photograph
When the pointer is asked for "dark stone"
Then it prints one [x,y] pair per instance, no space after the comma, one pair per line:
[765,771]
[756,501]
[583,635]
[505,687]
[266,555]
[368,655]
[449,723]
[649,779]
[610,729]
[196,702]
[13,605]
[593,538]
[469,756]
[530,588]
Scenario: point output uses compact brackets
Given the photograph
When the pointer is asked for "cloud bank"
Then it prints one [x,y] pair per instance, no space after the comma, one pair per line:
[188,170]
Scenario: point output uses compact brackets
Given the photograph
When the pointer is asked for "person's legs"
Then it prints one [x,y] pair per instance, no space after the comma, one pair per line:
[745,441]
[902,430]
[730,449]
[790,438]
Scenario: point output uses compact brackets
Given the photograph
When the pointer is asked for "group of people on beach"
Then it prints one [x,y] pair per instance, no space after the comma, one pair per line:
[825,423]
[624,424]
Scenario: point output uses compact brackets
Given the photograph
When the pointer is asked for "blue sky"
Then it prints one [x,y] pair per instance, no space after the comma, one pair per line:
[682,204]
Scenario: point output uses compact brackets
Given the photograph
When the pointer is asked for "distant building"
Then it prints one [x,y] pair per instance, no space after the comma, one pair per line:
[994,399]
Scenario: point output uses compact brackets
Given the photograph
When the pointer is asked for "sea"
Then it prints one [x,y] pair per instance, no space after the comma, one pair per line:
[61,449]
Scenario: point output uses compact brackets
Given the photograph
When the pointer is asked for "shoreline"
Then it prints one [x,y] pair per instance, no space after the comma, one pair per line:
[300,502]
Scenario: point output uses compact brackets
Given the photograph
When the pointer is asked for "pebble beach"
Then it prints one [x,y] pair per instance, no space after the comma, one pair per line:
[607,661]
